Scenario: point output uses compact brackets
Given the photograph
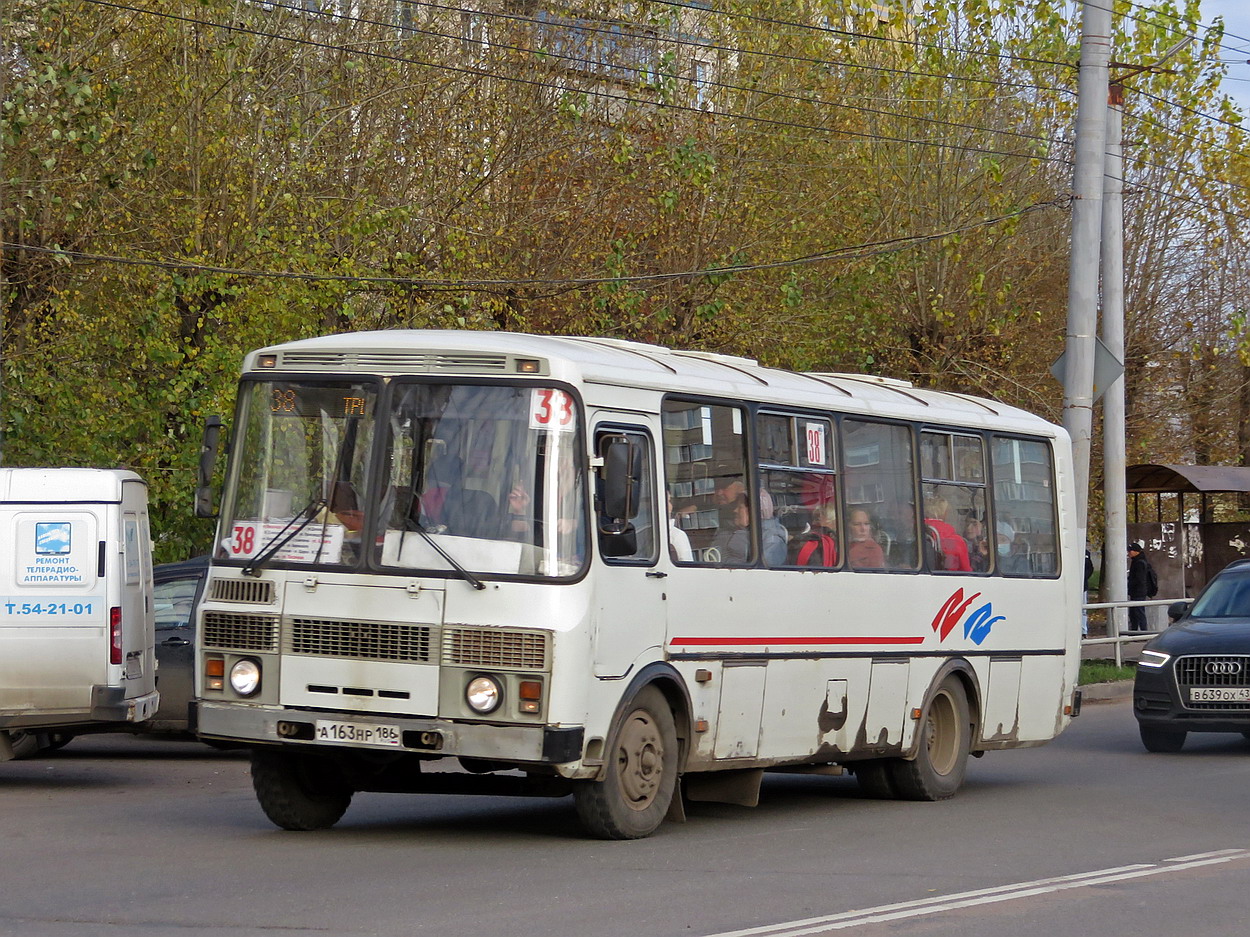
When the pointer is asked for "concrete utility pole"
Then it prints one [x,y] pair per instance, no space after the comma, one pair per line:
[1114,422]
[1115,512]
[1087,182]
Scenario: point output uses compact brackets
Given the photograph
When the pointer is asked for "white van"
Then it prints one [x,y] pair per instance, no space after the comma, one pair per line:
[76,613]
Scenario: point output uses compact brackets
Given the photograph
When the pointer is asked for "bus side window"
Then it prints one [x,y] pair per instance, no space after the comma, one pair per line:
[877,471]
[1024,508]
[641,542]
[705,469]
[798,495]
[952,469]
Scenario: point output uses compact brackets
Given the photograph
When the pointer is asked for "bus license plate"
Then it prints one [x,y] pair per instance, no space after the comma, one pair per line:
[1219,694]
[360,733]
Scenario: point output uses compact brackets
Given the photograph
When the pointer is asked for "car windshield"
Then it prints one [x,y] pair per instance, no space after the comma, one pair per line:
[486,475]
[1228,596]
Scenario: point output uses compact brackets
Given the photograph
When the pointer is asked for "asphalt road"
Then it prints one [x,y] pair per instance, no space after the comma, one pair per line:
[121,835]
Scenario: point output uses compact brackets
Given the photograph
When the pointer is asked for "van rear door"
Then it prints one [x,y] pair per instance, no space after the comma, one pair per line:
[54,616]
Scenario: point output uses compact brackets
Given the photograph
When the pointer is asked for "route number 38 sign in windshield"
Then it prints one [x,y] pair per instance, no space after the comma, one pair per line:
[552,409]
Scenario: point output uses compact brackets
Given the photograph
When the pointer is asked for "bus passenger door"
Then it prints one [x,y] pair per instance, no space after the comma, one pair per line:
[629,587]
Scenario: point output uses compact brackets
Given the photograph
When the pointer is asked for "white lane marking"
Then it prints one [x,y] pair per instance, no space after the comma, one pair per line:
[967,899]
[1204,855]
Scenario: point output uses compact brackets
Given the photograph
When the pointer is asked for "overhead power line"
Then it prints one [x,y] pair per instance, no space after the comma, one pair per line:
[640,71]
[852,252]
[589,92]
[700,45]
[852,34]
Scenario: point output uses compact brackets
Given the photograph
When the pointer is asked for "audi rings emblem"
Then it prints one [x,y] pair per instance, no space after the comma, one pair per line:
[1222,668]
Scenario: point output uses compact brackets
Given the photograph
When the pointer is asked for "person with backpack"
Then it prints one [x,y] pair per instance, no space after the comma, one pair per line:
[817,547]
[1143,583]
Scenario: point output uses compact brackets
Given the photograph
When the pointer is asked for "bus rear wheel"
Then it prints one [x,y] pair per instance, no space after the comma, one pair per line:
[941,761]
[632,800]
[876,778]
[299,791]
[25,744]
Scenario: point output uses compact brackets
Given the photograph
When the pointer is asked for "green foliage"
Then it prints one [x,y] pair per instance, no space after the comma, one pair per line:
[563,203]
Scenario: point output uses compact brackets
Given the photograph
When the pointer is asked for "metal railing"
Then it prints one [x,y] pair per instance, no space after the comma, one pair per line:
[1119,640]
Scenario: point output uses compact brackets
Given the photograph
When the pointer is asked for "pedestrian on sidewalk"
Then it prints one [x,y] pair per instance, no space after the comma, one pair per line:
[1142,584]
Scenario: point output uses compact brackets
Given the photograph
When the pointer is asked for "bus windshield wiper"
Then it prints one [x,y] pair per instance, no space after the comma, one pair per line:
[451,560]
[291,530]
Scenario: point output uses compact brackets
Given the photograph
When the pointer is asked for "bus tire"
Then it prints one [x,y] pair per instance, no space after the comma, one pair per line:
[876,778]
[941,761]
[298,792]
[25,744]
[1162,740]
[641,778]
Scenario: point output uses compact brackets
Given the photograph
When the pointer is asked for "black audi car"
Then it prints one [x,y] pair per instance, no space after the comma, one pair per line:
[1195,677]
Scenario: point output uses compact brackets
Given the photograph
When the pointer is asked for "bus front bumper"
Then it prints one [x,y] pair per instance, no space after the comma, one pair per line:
[550,745]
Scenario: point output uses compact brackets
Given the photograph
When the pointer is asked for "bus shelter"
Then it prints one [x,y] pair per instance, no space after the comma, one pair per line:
[1192,519]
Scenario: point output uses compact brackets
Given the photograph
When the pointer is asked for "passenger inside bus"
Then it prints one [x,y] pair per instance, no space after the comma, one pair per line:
[863,551]
[952,551]
[678,539]
[978,546]
[818,546]
[901,535]
[733,538]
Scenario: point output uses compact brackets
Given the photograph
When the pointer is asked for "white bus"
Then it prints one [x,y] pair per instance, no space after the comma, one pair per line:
[480,561]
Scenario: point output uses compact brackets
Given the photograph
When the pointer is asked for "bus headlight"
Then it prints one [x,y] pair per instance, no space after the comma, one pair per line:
[245,677]
[483,694]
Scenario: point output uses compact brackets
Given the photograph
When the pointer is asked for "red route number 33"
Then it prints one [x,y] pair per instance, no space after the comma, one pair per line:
[552,409]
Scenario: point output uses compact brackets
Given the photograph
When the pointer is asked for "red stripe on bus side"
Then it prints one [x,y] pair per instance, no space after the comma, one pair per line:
[763,642]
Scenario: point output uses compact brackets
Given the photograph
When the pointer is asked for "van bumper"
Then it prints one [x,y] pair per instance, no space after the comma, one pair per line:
[549,745]
[109,704]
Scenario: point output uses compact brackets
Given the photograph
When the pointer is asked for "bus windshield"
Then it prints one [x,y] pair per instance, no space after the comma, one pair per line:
[472,477]
[303,453]
[487,474]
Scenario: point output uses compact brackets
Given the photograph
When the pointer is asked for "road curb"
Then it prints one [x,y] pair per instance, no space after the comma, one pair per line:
[1107,692]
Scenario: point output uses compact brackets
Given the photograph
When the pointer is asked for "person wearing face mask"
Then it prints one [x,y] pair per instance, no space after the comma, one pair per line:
[1010,561]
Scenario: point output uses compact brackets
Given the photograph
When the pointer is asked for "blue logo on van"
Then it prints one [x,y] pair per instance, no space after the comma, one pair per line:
[52,539]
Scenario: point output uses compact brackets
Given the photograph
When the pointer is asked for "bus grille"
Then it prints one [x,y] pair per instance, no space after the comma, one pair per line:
[252,591]
[233,631]
[492,647]
[360,640]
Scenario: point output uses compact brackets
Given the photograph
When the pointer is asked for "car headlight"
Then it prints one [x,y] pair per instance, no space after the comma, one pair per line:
[483,694]
[245,676]
[1153,659]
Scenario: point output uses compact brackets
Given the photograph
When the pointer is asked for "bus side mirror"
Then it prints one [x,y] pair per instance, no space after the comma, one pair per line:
[622,477]
[204,471]
[622,483]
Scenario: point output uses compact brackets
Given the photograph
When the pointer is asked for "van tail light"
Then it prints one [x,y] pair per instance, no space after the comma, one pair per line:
[115,635]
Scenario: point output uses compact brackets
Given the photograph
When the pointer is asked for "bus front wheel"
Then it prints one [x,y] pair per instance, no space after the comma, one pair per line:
[641,778]
[298,791]
[941,761]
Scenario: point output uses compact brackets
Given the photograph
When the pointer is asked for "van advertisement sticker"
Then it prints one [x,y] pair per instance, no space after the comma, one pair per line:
[55,552]
[48,608]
